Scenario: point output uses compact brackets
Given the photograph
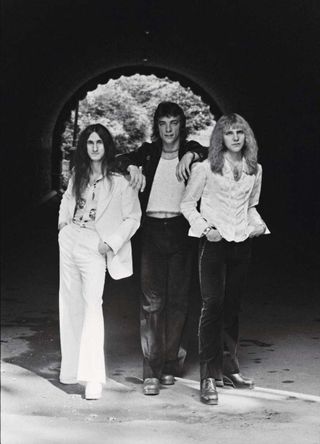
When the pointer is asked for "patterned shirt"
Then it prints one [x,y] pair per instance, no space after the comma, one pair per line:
[86,207]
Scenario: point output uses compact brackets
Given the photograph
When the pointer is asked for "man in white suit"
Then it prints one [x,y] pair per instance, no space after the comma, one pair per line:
[99,213]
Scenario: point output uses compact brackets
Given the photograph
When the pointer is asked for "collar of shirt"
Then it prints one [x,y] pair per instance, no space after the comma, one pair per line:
[96,181]
[227,169]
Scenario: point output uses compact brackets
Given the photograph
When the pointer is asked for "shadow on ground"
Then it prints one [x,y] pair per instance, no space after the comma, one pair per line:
[279,348]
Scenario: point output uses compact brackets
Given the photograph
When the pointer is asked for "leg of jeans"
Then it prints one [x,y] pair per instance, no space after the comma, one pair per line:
[179,274]
[70,308]
[92,266]
[153,294]
[212,271]
[237,269]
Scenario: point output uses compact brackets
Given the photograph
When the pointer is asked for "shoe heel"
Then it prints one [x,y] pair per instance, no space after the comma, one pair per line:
[227,382]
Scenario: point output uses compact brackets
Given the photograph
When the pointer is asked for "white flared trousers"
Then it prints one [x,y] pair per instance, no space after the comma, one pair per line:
[82,276]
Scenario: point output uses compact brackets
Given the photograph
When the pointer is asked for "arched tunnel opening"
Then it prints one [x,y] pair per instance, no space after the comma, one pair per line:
[148,75]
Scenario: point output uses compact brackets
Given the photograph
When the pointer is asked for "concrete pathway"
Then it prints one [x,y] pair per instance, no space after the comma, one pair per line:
[279,348]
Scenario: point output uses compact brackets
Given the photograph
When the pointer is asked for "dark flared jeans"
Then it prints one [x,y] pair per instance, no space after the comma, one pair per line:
[165,282]
[223,270]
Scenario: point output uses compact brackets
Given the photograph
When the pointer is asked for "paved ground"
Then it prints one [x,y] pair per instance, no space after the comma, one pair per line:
[280,336]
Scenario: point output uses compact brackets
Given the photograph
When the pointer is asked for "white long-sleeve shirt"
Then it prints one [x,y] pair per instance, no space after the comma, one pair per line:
[226,204]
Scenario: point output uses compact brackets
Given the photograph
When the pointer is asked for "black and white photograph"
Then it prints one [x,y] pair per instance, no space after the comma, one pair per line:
[160,234]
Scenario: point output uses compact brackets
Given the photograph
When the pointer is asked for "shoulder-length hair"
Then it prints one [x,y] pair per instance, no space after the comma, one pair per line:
[82,161]
[217,148]
[169,109]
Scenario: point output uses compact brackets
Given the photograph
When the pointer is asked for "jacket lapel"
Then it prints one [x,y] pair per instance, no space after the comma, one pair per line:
[105,195]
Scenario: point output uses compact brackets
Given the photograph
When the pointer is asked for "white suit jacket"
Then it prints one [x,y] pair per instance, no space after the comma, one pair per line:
[117,219]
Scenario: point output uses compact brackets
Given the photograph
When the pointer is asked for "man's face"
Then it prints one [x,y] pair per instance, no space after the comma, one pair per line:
[234,139]
[169,129]
[95,147]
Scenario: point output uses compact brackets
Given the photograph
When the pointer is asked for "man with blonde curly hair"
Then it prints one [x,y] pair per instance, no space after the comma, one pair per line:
[228,184]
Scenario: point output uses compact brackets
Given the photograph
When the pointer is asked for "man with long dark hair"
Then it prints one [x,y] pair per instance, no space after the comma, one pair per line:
[98,215]
[164,166]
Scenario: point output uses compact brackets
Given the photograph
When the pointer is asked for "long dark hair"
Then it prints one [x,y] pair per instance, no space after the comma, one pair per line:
[82,161]
[217,148]
[169,109]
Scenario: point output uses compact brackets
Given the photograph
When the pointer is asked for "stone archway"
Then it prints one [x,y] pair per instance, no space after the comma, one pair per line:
[103,78]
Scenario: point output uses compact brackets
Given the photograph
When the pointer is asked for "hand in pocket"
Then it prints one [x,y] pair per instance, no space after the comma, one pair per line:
[213,235]
[103,248]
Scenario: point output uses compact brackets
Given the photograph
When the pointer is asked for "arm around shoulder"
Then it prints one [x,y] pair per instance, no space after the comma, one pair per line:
[135,157]
[200,152]
[194,152]
[133,163]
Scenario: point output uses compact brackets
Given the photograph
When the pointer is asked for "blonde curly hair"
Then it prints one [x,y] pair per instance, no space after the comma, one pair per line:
[217,148]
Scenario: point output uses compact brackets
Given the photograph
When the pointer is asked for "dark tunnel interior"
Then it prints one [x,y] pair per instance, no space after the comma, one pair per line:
[259,59]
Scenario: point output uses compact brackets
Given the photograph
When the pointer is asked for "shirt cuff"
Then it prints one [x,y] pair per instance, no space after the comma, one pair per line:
[114,242]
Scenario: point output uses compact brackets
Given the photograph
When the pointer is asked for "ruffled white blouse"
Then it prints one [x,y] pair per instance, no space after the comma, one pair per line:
[226,204]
